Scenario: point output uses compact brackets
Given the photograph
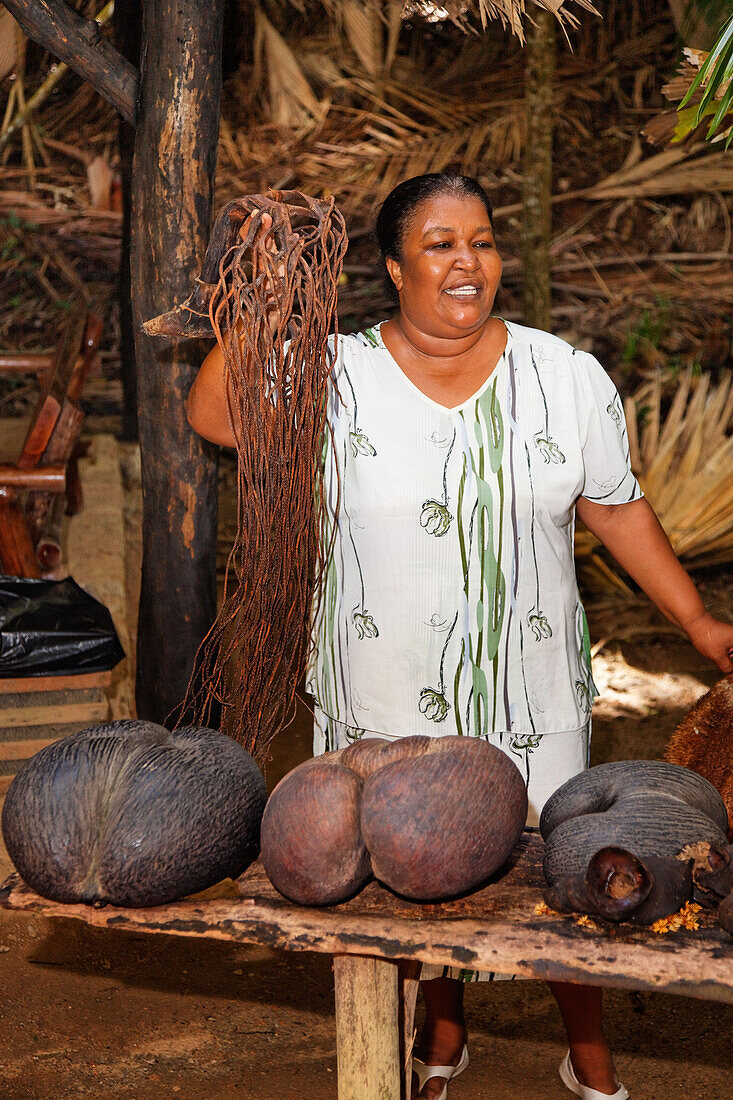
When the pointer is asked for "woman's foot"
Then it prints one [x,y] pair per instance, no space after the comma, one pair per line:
[581,1008]
[593,1067]
[442,1045]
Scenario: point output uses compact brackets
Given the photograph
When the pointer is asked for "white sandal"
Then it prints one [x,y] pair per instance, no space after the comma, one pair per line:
[424,1072]
[568,1078]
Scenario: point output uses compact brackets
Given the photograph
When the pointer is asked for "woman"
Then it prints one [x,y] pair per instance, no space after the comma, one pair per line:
[463,446]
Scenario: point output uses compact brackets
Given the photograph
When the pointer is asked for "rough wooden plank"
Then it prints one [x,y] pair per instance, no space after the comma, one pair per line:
[366,1028]
[501,932]
[409,982]
[52,732]
[23,750]
[44,715]
[49,698]
[16,685]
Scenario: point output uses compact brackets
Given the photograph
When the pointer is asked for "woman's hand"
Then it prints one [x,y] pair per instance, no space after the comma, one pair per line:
[714,639]
[273,289]
[210,400]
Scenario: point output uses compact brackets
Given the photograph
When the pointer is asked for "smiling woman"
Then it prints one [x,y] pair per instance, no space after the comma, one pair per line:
[459,448]
[443,262]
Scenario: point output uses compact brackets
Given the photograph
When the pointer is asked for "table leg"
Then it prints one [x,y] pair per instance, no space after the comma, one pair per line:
[367,1040]
[409,983]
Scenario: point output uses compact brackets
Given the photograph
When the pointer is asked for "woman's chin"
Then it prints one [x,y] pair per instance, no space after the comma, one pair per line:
[465,315]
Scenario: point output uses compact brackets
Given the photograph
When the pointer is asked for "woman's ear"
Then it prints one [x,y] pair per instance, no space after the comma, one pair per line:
[394,272]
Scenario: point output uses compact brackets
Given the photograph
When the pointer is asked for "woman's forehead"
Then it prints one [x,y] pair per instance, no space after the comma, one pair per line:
[448,211]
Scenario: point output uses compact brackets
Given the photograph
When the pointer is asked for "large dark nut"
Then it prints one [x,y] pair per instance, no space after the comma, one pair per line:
[648,807]
[439,824]
[132,814]
[312,847]
[618,886]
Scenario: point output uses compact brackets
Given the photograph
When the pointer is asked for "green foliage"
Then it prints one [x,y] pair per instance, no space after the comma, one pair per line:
[650,328]
[715,72]
[9,248]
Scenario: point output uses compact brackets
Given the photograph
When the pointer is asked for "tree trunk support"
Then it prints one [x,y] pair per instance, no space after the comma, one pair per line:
[173,177]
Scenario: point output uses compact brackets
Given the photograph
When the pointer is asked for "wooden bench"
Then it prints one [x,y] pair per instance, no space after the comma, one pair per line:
[38,474]
[377,940]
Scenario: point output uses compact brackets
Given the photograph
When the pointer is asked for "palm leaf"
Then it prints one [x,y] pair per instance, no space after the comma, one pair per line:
[714,76]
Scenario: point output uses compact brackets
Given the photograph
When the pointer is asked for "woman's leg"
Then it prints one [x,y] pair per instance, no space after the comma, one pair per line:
[581,1008]
[444,1033]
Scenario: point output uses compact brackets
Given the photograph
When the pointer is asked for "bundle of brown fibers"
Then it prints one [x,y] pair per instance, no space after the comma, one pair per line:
[270,300]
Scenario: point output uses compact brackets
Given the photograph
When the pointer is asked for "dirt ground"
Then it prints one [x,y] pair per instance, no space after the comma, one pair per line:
[117,1016]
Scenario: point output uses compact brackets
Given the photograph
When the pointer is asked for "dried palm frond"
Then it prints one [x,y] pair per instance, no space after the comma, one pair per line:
[290,98]
[368,170]
[363,29]
[673,172]
[684,463]
[512,14]
[388,129]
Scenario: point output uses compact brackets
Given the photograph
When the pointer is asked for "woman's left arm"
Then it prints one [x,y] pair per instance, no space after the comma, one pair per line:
[638,542]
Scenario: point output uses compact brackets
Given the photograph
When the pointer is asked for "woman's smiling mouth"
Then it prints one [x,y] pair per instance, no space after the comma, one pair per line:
[465,292]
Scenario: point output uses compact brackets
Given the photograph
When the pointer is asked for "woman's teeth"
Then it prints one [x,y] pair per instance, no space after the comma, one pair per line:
[463,292]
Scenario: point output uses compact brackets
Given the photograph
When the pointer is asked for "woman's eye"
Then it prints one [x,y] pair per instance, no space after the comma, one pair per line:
[484,244]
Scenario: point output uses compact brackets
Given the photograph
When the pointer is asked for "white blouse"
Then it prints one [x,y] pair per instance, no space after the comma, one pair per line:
[450,602]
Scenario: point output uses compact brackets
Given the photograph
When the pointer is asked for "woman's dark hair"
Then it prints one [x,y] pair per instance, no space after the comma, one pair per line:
[398,209]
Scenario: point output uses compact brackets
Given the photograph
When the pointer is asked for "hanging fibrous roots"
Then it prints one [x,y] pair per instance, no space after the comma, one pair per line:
[269,296]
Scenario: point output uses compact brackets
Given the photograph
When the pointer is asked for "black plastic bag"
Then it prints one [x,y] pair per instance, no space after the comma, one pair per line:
[53,628]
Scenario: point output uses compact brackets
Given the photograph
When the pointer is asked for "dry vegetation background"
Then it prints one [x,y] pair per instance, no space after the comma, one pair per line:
[341,96]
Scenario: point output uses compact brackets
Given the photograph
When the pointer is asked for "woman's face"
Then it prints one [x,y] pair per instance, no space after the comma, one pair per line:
[449,270]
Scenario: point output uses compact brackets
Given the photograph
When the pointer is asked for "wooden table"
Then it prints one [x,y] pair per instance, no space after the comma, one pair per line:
[377,940]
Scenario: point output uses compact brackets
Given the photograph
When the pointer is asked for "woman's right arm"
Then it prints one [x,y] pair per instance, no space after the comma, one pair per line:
[207,403]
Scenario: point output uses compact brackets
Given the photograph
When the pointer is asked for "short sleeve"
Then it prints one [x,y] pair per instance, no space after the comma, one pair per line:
[608,477]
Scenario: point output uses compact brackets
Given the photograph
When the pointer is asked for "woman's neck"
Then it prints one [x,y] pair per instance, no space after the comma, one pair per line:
[438,353]
[446,370]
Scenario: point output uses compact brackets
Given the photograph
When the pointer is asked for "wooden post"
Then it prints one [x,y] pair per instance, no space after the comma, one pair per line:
[409,974]
[173,175]
[537,171]
[128,19]
[367,1044]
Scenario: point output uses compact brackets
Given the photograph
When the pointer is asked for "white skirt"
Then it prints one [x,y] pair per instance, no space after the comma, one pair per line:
[546,761]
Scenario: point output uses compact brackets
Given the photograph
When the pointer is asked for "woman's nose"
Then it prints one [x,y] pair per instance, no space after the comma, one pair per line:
[466,258]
